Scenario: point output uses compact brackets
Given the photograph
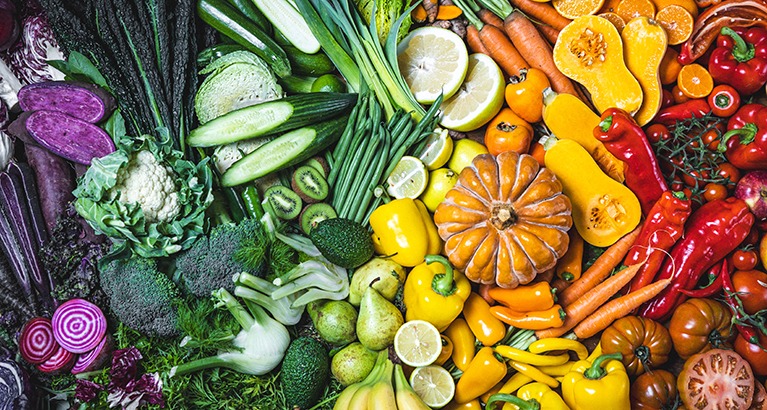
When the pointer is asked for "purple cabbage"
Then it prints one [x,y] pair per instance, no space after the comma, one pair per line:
[13,386]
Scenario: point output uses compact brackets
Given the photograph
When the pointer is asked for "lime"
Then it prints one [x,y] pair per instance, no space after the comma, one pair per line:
[439,147]
[328,83]
[464,152]
[479,99]
[434,385]
[418,343]
[409,178]
[433,61]
[440,181]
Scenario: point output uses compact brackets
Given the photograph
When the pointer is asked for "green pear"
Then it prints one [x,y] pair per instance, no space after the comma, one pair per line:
[385,275]
[378,320]
[335,320]
[352,363]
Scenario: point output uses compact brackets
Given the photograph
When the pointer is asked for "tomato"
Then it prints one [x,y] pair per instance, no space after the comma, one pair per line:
[716,379]
[711,138]
[678,95]
[508,132]
[667,99]
[760,397]
[698,325]
[744,259]
[728,171]
[712,192]
[644,343]
[751,287]
[654,390]
[724,100]
[657,132]
[753,353]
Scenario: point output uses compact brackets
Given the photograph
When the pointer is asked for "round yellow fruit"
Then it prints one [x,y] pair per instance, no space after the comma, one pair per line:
[440,181]
[464,152]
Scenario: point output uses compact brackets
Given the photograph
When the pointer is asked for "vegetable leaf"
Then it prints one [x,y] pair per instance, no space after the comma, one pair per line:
[79,66]
[115,126]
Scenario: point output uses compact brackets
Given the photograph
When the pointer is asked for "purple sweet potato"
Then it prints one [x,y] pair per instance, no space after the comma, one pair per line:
[87,102]
[69,137]
[55,182]
[18,128]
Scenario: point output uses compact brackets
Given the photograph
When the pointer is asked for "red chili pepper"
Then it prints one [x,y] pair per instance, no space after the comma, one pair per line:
[730,295]
[724,100]
[713,288]
[740,59]
[663,227]
[749,149]
[628,142]
[712,232]
[693,108]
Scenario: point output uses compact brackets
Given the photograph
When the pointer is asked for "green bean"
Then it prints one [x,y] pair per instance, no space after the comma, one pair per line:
[354,187]
[364,205]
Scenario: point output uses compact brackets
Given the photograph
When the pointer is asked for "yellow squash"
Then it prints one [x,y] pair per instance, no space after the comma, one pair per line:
[644,42]
[603,209]
[590,51]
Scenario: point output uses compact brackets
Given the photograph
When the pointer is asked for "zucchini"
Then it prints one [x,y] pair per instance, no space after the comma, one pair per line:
[294,84]
[229,22]
[271,117]
[215,52]
[249,10]
[286,18]
[308,64]
[286,150]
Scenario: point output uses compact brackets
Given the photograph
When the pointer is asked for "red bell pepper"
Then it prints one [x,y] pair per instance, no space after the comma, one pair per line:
[681,112]
[712,232]
[740,59]
[627,141]
[745,142]
[663,227]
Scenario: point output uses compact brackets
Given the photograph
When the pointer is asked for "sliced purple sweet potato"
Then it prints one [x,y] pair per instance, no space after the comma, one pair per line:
[87,102]
[69,137]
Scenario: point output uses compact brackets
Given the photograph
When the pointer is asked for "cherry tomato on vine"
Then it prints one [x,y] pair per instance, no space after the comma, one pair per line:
[711,138]
[713,191]
[729,171]
[744,259]
[657,132]
[724,100]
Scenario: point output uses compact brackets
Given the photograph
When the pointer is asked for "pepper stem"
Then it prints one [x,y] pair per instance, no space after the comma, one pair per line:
[747,135]
[605,124]
[523,404]
[442,283]
[596,371]
[741,50]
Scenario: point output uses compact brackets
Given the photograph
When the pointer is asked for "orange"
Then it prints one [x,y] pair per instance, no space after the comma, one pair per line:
[688,5]
[694,81]
[677,22]
[610,6]
[615,19]
[669,67]
[628,9]
[573,9]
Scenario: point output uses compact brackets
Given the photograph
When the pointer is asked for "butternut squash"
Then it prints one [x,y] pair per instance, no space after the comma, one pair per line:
[603,209]
[645,43]
[590,51]
[569,118]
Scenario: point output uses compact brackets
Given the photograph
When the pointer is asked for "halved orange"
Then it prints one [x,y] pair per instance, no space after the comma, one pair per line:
[615,19]
[629,9]
[573,9]
[694,81]
[688,5]
[609,6]
[677,22]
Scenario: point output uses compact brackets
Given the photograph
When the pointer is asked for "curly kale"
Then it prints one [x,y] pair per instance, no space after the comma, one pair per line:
[141,296]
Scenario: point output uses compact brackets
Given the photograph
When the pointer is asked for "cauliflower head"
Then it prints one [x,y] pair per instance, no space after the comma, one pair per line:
[148,183]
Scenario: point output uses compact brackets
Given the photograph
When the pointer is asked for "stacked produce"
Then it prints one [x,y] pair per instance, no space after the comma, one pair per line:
[352,204]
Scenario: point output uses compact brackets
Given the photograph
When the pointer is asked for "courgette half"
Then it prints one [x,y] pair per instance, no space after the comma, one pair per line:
[271,117]
[286,150]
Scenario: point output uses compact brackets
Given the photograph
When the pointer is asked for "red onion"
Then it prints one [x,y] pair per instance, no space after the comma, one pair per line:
[79,325]
[36,342]
[61,361]
[94,359]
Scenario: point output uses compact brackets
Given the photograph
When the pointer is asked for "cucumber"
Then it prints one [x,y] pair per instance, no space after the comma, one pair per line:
[271,117]
[295,84]
[286,150]
[308,64]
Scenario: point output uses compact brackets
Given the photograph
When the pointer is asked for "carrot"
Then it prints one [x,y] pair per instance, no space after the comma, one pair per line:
[488,17]
[502,50]
[475,43]
[618,308]
[536,51]
[549,33]
[543,13]
[588,303]
[600,269]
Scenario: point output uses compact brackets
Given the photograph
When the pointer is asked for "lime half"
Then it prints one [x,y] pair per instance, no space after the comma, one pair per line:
[439,147]
[409,178]
[432,60]
[434,385]
[479,99]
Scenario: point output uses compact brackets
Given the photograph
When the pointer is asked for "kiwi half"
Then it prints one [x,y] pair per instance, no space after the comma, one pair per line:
[320,164]
[309,184]
[314,214]
[285,203]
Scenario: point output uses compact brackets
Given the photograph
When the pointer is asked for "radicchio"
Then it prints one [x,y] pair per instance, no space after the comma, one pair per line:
[124,367]
[28,58]
[146,390]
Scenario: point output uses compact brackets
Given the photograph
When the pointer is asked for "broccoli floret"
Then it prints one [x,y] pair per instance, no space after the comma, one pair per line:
[141,296]
[213,260]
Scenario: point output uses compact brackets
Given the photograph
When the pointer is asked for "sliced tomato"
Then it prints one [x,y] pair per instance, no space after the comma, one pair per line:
[716,379]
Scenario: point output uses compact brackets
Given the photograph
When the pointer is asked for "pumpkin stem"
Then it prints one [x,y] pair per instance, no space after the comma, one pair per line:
[503,216]
[443,283]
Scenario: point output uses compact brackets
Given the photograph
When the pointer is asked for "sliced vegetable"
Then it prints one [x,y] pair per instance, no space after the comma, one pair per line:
[68,137]
[79,325]
[716,379]
[96,358]
[36,342]
[286,18]
[61,361]
[84,101]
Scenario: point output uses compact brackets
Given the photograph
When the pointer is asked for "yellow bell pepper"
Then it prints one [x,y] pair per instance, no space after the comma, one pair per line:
[602,384]
[484,372]
[486,327]
[404,233]
[434,292]
[532,396]
[463,343]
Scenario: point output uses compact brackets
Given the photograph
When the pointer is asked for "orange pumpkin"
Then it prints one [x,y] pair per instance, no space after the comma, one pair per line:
[505,220]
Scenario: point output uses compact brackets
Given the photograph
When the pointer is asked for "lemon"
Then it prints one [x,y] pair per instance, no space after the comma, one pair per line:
[434,385]
[417,343]
[439,147]
[464,152]
[440,181]
[433,61]
[479,99]
[409,178]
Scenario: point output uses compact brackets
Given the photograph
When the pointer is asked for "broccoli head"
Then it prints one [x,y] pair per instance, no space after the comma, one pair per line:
[141,296]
